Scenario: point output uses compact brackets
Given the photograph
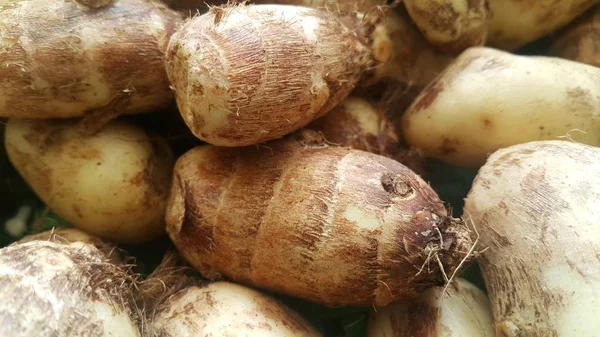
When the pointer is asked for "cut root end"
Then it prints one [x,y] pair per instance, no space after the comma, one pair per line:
[448,254]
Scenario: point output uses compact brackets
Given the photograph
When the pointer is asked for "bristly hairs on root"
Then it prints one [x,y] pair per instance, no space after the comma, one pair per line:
[172,275]
[469,254]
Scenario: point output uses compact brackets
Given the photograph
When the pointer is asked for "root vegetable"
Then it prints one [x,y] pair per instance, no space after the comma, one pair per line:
[489,99]
[247,74]
[113,184]
[451,25]
[536,206]
[515,23]
[333,225]
[463,311]
[579,40]
[358,124]
[414,61]
[363,125]
[227,309]
[70,290]
[69,235]
[62,59]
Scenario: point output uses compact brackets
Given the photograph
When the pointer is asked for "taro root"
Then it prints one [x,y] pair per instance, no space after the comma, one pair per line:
[247,74]
[330,224]
[63,59]
[536,207]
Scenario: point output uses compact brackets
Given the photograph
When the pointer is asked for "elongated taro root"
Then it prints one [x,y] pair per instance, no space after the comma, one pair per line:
[580,40]
[113,184]
[62,59]
[247,74]
[489,99]
[333,225]
[226,309]
[451,25]
[536,206]
[332,5]
[70,290]
[359,124]
[463,312]
[514,23]
[414,61]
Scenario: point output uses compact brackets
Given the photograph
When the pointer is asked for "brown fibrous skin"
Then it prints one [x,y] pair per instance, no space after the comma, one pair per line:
[246,74]
[53,289]
[580,41]
[333,225]
[359,124]
[414,61]
[536,208]
[63,59]
[451,25]
[367,125]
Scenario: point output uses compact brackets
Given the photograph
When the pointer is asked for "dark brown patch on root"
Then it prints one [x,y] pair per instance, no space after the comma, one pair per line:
[429,95]
[445,252]
[449,146]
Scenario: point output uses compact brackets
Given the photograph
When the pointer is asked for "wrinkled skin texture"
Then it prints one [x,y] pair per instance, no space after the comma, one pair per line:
[113,184]
[451,25]
[227,309]
[489,99]
[536,207]
[580,41]
[328,224]
[63,59]
[515,23]
[247,74]
[464,311]
[50,289]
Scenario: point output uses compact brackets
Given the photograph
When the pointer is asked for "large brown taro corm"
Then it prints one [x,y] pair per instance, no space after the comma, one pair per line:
[248,74]
[68,58]
[333,225]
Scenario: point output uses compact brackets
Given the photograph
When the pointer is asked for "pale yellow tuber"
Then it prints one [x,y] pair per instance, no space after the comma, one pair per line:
[488,99]
[113,184]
